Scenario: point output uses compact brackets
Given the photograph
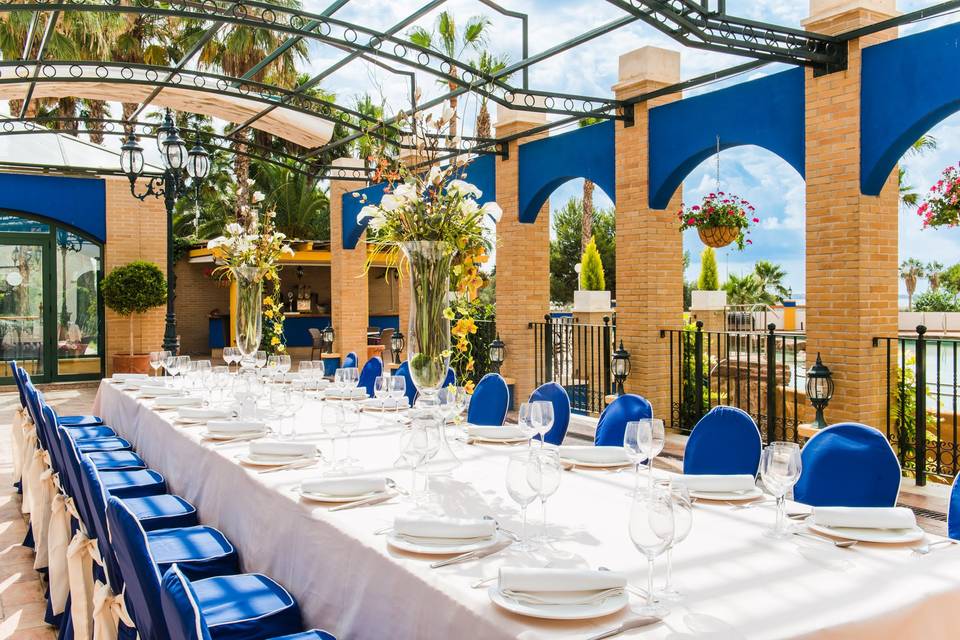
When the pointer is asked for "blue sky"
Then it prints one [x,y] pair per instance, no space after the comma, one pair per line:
[767,181]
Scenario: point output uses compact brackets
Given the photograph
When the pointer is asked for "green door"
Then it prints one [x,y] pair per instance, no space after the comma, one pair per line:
[26,306]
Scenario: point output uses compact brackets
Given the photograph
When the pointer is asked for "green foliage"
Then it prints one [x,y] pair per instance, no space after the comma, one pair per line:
[484,315]
[565,249]
[709,279]
[591,269]
[950,279]
[134,288]
[743,289]
[936,301]
[903,415]
[911,270]
[763,286]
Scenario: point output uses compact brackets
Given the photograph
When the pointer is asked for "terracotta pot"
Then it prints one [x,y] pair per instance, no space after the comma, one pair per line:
[717,237]
[137,363]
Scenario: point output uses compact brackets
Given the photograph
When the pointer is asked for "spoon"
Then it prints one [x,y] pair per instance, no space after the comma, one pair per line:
[922,550]
[510,534]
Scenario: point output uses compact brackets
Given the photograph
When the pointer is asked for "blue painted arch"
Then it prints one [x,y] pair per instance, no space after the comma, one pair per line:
[767,112]
[79,203]
[482,172]
[907,86]
[545,164]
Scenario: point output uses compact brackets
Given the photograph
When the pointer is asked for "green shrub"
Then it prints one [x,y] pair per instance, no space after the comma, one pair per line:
[709,279]
[591,269]
[134,288]
[940,300]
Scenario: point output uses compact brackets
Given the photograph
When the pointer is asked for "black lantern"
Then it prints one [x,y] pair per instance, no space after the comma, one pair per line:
[164,129]
[819,390]
[620,367]
[131,157]
[174,151]
[328,336]
[497,352]
[397,343]
[198,162]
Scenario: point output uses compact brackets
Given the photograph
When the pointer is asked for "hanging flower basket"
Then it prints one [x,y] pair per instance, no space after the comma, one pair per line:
[720,220]
[941,207]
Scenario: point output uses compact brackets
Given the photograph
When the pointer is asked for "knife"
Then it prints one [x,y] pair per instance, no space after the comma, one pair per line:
[472,555]
[633,623]
[364,503]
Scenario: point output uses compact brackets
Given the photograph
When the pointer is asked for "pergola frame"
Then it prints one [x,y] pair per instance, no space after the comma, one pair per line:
[703,24]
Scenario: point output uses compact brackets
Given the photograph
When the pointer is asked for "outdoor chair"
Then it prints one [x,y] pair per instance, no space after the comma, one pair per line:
[372,370]
[613,420]
[316,344]
[350,360]
[386,339]
[556,395]
[489,402]
[953,511]
[848,465]
[726,441]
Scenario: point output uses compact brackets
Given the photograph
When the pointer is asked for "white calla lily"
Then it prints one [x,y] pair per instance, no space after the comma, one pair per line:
[389,202]
[366,213]
[464,188]
[436,173]
[405,192]
[493,210]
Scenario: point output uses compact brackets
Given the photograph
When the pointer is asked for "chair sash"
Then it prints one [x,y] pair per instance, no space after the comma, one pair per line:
[18,441]
[27,479]
[58,541]
[81,554]
[109,610]
[40,512]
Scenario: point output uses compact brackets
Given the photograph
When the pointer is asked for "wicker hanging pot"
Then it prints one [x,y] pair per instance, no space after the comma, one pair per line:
[718,237]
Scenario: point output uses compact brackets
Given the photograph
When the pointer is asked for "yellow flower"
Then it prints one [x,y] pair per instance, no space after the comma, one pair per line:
[275,340]
[268,301]
[470,364]
[469,386]
[448,313]
[268,313]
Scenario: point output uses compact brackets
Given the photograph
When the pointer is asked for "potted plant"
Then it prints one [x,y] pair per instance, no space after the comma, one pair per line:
[134,288]
[592,295]
[720,219]
[941,207]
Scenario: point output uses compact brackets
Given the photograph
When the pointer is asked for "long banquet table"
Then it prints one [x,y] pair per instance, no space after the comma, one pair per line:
[738,583]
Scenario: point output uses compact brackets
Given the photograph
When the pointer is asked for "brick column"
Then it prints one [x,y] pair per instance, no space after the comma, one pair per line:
[649,245]
[851,263]
[349,289]
[523,260]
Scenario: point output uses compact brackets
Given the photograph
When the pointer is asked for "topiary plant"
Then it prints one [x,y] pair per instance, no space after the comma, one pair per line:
[709,280]
[591,269]
[134,288]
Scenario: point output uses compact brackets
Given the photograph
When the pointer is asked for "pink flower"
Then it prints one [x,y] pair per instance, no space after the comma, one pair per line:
[695,207]
[749,241]
[756,219]
[691,222]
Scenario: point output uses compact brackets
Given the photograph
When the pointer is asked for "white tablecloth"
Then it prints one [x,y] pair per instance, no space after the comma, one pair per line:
[738,583]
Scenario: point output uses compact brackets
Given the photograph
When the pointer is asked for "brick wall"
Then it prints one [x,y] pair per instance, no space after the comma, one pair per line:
[349,291]
[197,296]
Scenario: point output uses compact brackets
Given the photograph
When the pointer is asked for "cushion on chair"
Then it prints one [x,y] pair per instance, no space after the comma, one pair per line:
[556,395]
[489,402]
[133,484]
[200,551]
[162,512]
[613,421]
[110,443]
[81,421]
[84,433]
[313,634]
[848,465]
[726,441]
[117,460]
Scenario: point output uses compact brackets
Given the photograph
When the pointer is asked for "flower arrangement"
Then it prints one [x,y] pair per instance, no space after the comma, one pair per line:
[720,219]
[434,203]
[941,207]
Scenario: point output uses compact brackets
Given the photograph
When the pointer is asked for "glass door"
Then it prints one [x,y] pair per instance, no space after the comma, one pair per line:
[25,305]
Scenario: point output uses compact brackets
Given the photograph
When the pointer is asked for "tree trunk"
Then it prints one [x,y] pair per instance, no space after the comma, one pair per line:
[96,110]
[67,108]
[241,170]
[587,224]
[128,109]
[131,334]
[454,101]
[483,121]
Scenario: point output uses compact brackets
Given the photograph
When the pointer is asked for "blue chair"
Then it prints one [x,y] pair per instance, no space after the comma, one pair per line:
[350,360]
[848,465]
[372,370]
[451,379]
[236,606]
[556,395]
[726,441]
[489,402]
[67,421]
[189,617]
[613,421]
[953,511]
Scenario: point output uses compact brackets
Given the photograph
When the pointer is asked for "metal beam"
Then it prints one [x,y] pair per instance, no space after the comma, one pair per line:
[906,18]
[47,32]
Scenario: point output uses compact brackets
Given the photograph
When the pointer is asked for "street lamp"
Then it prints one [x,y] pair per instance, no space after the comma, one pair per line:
[397,343]
[620,367]
[820,388]
[497,352]
[179,164]
[328,335]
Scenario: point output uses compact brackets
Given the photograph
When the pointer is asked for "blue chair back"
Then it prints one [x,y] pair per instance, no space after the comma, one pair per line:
[556,395]
[451,379]
[726,441]
[410,388]
[489,402]
[96,497]
[371,371]
[953,511]
[350,360]
[613,421]
[180,607]
[848,465]
[138,569]
[18,380]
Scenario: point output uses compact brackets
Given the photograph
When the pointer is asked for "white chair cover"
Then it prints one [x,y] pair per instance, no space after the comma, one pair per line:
[109,610]
[58,540]
[40,512]
[17,437]
[27,480]
[80,557]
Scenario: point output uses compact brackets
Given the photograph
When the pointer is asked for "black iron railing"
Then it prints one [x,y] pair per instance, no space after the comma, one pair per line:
[921,389]
[761,373]
[577,356]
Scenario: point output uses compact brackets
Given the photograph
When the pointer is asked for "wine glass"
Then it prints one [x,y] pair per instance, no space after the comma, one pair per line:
[634,450]
[170,364]
[272,366]
[525,420]
[260,359]
[397,390]
[419,443]
[228,356]
[651,530]
[381,390]
[339,386]
[543,476]
[284,363]
[331,417]
[219,380]
[682,521]
[351,422]
[520,491]
[651,438]
[542,417]
[156,361]
[780,468]
[351,377]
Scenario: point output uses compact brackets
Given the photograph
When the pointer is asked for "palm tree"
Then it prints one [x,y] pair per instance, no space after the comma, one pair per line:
[13,33]
[770,277]
[587,227]
[911,270]
[488,63]
[743,290]
[302,208]
[908,196]
[367,145]
[446,40]
[934,271]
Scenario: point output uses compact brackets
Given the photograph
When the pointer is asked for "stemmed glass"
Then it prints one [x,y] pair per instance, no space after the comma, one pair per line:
[543,476]
[780,468]
[351,377]
[381,390]
[219,381]
[541,417]
[294,402]
[156,360]
[351,422]
[170,364]
[682,521]
[183,367]
[260,359]
[305,368]
[397,390]
[231,355]
[646,438]
[520,491]
[418,444]
[284,363]
[273,366]
[331,417]
[652,530]
[526,422]
[203,371]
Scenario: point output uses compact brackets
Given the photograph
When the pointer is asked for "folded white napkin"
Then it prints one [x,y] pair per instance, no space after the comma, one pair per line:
[865,517]
[170,402]
[357,393]
[280,449]
[203,413]
[235,426]
[708,483]
[123,377]
[156,392]
[437,529]
[560,586]
[505,432]
[592,454]
[385,403]
[344,487]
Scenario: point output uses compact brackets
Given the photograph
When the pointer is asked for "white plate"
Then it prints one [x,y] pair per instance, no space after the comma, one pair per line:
[559,611]
[258,461]
[596,465]
[728,496]
[442,550]
[322,497]
[230,436]
[888,536]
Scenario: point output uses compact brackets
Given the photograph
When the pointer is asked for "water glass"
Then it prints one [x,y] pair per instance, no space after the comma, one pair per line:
[542,417]
[397,389]
[525,419]
[183,365]
[170,364]
[646,437]
[260,359]
[305,368]
[520,491]
[272,365]
[682,522]
[351,422]
[156,360]
[543,476]
[284,363]
[652,530]
[780,468]
[381,389]
[331,418]
[418,443]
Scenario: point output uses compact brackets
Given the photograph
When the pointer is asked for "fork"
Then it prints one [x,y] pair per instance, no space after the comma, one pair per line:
[840,544]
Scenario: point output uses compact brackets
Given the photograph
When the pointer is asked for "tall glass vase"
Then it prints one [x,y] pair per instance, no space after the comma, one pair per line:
[428,334]
[249,313]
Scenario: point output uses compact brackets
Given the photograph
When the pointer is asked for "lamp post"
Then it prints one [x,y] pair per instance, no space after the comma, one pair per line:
[497,352]
[179,164]
[397,343]
[820,388]
[328,336]
[620,367]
